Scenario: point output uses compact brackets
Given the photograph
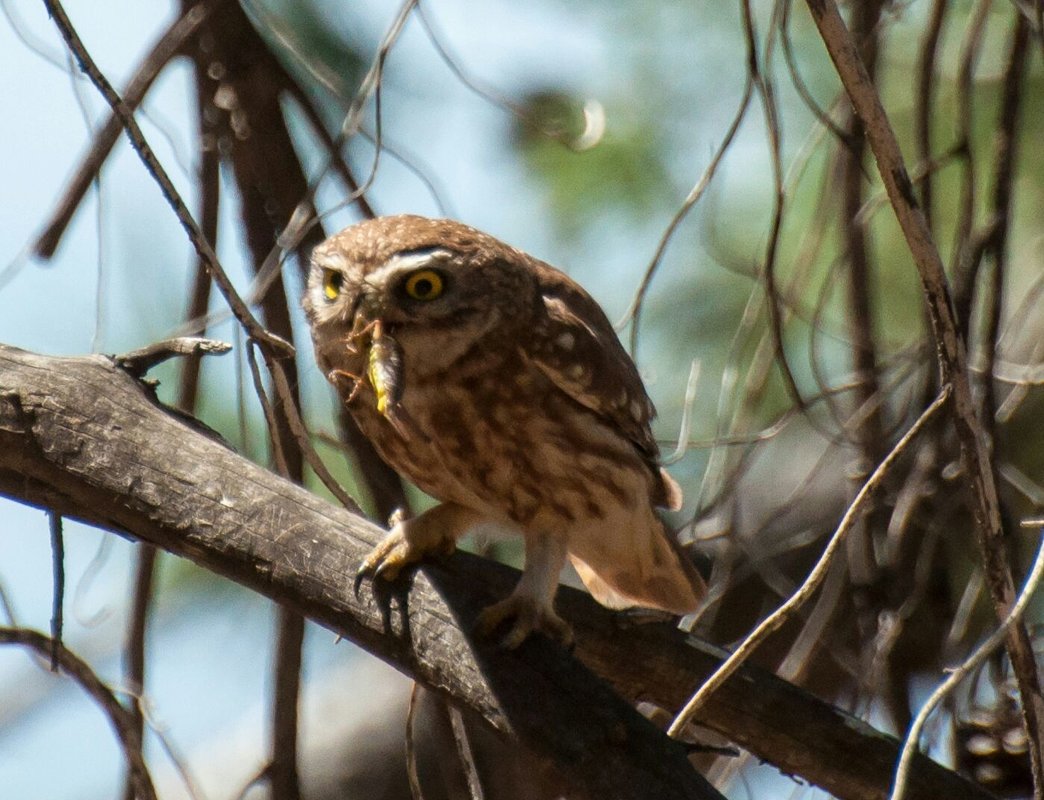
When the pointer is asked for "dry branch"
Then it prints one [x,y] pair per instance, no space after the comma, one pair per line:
[82,437]
[776,620]
[963,672]
[169,45]
[976,456]
[120,718]
[126,116]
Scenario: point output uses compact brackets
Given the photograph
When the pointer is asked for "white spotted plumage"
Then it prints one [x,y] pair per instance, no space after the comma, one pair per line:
[526,411]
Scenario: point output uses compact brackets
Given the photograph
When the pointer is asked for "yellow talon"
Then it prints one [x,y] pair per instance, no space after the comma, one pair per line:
[408,542]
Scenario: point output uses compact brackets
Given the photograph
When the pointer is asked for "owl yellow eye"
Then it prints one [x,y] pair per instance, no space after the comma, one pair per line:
[426,284]
[332,281]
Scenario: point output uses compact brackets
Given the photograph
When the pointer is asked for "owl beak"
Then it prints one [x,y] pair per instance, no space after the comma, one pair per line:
[370,306]
[351,310]
[366,314]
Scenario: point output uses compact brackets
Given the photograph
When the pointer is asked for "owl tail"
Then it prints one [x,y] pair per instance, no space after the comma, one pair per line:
[663,577]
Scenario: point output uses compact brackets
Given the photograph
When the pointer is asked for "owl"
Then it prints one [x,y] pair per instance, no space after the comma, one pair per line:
[497,385]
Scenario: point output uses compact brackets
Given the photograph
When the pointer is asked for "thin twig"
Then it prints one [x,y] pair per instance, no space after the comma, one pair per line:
[996,639]
[79,671]
[878,199]
[964,98]
[824,117]
[266,408]
[134,648]
[303,439]
[284,780]
[257,779]
[7,607]
[635,309]
[83,588]
[140,361]
[287,81]
[412,775]
[775,620]
[174,755]
[169,45]
[1003,190]
[333,145]
[685,428]
[866,17]
[208,182]
[58,590]
[300,220]
[488,93]
[465,754]
[835,275]
[754,437]
[326,139]
[923,118]
[159,174]
[763,83]
[976,455]
[969,261]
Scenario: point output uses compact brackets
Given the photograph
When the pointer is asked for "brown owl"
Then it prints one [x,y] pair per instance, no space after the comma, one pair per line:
[497,385]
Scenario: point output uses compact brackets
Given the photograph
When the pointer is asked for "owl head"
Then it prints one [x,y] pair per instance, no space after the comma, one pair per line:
[437,286]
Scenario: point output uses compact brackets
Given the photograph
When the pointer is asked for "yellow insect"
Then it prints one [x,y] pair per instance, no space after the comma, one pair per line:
[385,370]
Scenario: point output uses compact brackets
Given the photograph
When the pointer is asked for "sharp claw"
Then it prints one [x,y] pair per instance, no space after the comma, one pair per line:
[371,567]
[387,571]
[388,558]
[407,543]
[368,570]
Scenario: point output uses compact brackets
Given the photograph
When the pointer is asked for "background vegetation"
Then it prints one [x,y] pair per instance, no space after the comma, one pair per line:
[698,168]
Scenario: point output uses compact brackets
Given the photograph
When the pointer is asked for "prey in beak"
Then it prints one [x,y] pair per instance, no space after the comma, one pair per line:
[384,372]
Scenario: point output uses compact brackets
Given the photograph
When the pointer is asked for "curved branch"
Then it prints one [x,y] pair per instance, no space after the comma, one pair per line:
[82,437]
[122,720]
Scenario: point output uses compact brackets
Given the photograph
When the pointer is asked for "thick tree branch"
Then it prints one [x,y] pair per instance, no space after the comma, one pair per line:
[82,437]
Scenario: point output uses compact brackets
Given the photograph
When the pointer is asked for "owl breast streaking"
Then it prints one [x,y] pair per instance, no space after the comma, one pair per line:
[497,385]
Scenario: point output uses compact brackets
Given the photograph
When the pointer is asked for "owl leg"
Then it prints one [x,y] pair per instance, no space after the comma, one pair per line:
[434,532]
[531,605]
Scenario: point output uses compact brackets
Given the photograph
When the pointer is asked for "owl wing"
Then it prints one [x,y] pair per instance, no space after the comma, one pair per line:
[576,347]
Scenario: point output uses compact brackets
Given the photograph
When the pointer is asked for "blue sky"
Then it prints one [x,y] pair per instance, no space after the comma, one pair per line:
[118,281]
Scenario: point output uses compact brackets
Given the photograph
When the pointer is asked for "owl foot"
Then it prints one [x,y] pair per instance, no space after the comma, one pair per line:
[528,615]
[435,532]
[408,542]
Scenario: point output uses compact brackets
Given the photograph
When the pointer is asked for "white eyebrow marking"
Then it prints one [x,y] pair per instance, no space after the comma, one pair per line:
[330,258]
[406,262]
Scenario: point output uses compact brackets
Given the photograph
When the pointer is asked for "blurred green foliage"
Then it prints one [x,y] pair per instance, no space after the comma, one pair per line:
[623,171]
